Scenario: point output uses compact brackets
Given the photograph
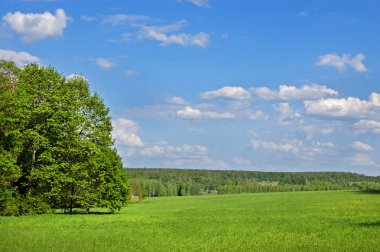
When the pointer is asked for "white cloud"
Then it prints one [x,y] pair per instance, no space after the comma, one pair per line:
[19,58]
[360,146]
[284,108]
[264,93]
[190,113]
[131,73]
[165,149]
[257,144]
[126,132]
[368,126]
[227,92]
[194,113]
[374,98]
[361,159]
[184,156]
[176,100]
[258,115]
[285,112]
[173,27]
[316,151]
[310,151]
[342,62]
[104,64]
[121,19]
[199,3]
[357,63]
[292,93]
[314,129]
[164,34]
[34,27]
[345,107]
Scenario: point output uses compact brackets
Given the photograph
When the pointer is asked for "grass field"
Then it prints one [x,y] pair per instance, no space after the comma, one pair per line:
[292,221]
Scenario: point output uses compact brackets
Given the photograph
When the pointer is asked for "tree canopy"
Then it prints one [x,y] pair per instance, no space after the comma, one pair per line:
[155,182]
[56,149]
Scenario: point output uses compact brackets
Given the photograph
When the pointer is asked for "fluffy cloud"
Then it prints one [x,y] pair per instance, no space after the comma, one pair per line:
[19,58]
[166,36]
[342,62]
[194,113]
[126,132]
[199,3]
[104,64]
[360,146]
[227,92]
[34,27]
[292,93]
[272,146]
[361,159]
[285,112]
[201,39]
[374,98]
[345,107]
[368,126]
[310,151]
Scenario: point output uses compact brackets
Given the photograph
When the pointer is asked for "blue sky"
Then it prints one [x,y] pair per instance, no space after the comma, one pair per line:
[247,85]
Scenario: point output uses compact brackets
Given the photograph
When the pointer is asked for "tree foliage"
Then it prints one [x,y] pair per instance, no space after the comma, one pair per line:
[55,144]
[182,182]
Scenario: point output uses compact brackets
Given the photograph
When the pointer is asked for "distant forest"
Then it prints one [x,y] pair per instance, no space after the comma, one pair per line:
[155,182]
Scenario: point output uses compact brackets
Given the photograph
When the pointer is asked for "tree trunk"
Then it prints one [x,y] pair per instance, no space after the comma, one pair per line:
[71,198]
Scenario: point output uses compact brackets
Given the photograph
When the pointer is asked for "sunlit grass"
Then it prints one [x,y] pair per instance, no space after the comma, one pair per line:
[292,221]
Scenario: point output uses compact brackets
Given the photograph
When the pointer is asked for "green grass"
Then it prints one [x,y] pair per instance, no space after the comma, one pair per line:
[292,221]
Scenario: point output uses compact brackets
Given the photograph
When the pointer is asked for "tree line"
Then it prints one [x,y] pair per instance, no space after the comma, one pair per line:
[55,144]
[180,182]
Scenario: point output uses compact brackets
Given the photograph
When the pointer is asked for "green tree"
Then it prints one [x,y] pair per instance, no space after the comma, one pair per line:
[56,145]
[12,115]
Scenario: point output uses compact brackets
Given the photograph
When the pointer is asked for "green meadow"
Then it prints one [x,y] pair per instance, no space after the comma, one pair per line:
[288,221]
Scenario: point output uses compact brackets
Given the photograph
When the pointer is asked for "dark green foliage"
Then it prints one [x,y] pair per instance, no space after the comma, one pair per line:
[181,182]
[369,186]
[55,144]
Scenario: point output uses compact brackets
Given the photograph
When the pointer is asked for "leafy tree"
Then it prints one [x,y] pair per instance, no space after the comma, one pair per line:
[55,144]
[12,113]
